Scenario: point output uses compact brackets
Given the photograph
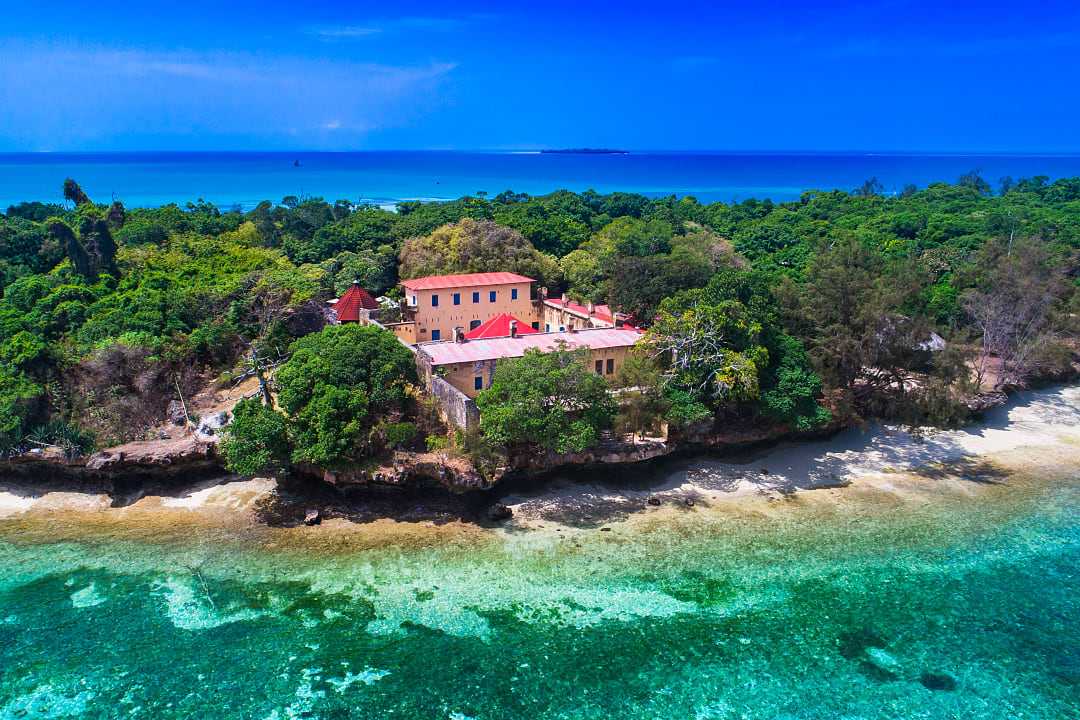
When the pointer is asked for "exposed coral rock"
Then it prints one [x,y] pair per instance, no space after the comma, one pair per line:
[173,453]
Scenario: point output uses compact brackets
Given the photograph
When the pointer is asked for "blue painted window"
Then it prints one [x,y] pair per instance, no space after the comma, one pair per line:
[491,296]
[435,334]
[478,383]
[513,293]
[473,324]
[457,298]
[476,297]
[434,301]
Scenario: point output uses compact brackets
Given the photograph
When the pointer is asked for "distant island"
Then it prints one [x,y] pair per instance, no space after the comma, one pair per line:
[585,151]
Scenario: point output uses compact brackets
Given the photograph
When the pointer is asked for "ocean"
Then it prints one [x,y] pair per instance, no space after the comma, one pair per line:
[944,582]
[243,179]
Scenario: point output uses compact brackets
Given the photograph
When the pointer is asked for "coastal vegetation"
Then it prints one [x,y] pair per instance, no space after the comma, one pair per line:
[833,308]
[548,400]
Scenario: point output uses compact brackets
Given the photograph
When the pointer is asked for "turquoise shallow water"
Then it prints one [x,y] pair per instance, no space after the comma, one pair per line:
[965,607]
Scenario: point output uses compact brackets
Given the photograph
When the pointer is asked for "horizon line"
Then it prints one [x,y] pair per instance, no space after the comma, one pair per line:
[534,150]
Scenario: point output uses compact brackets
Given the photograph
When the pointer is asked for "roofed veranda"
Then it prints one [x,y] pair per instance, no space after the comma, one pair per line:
[460,326]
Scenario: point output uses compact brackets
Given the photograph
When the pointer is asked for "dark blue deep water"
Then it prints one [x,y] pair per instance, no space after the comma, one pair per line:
[244,179]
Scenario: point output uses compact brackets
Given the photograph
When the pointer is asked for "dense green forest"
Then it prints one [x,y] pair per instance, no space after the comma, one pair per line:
[790,313]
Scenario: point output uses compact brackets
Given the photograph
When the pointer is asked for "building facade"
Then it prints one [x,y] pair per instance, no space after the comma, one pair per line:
[434,306]
[469,365]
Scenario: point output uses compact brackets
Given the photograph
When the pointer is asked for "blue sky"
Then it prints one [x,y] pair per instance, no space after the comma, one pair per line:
[875,75]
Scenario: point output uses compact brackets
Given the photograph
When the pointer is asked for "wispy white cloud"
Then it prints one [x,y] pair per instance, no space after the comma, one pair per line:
[58,97]
[352,31]
[344,32]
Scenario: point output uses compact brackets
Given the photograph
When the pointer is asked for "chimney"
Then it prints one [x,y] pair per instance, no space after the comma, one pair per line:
[543,294]
[356,282]
[591,308]
[513,328]
[459,334]
[564,299]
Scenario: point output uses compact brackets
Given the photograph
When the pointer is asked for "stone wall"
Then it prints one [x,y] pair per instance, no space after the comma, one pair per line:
[456,408]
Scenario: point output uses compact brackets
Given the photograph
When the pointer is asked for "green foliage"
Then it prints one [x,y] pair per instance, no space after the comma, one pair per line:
[436,443]
[550,400]
[375,269]
[256,441]
[725,347]
[18,396]
[858,279]
[24,351]
[73,441]
[793,387]
[683,409]
[396,434]
[339,383]
[555,224]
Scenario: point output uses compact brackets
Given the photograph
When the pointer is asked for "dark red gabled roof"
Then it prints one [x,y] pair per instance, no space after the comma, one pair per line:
[499,326]
[356,298]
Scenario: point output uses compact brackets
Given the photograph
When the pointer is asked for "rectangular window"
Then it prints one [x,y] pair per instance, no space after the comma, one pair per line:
[610,366]
[547,327]
[536,326]
[435,334]
[513,293]
[413,303]
[457,298]
[491,296]
[434,301]
[476,297]
[478,383]
[599,367]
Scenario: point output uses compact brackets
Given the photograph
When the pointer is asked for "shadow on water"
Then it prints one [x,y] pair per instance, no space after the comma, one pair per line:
[294,498]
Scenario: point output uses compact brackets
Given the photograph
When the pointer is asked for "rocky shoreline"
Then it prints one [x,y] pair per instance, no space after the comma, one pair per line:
[125,469]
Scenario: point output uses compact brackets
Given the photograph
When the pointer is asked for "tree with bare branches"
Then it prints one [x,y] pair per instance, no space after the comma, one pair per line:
[1012,310]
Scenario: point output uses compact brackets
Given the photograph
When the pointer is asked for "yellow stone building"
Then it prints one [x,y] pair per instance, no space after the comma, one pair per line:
[442,315]
[469,365]
[436,305]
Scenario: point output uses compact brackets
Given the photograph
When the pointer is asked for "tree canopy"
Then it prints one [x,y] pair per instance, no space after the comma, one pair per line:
[473,246]
[549,400]
[105,308]
[336,388]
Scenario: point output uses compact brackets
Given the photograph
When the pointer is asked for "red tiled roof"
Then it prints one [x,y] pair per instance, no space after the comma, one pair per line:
[437,282]
[447,353]
[499,326]
[348,306]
